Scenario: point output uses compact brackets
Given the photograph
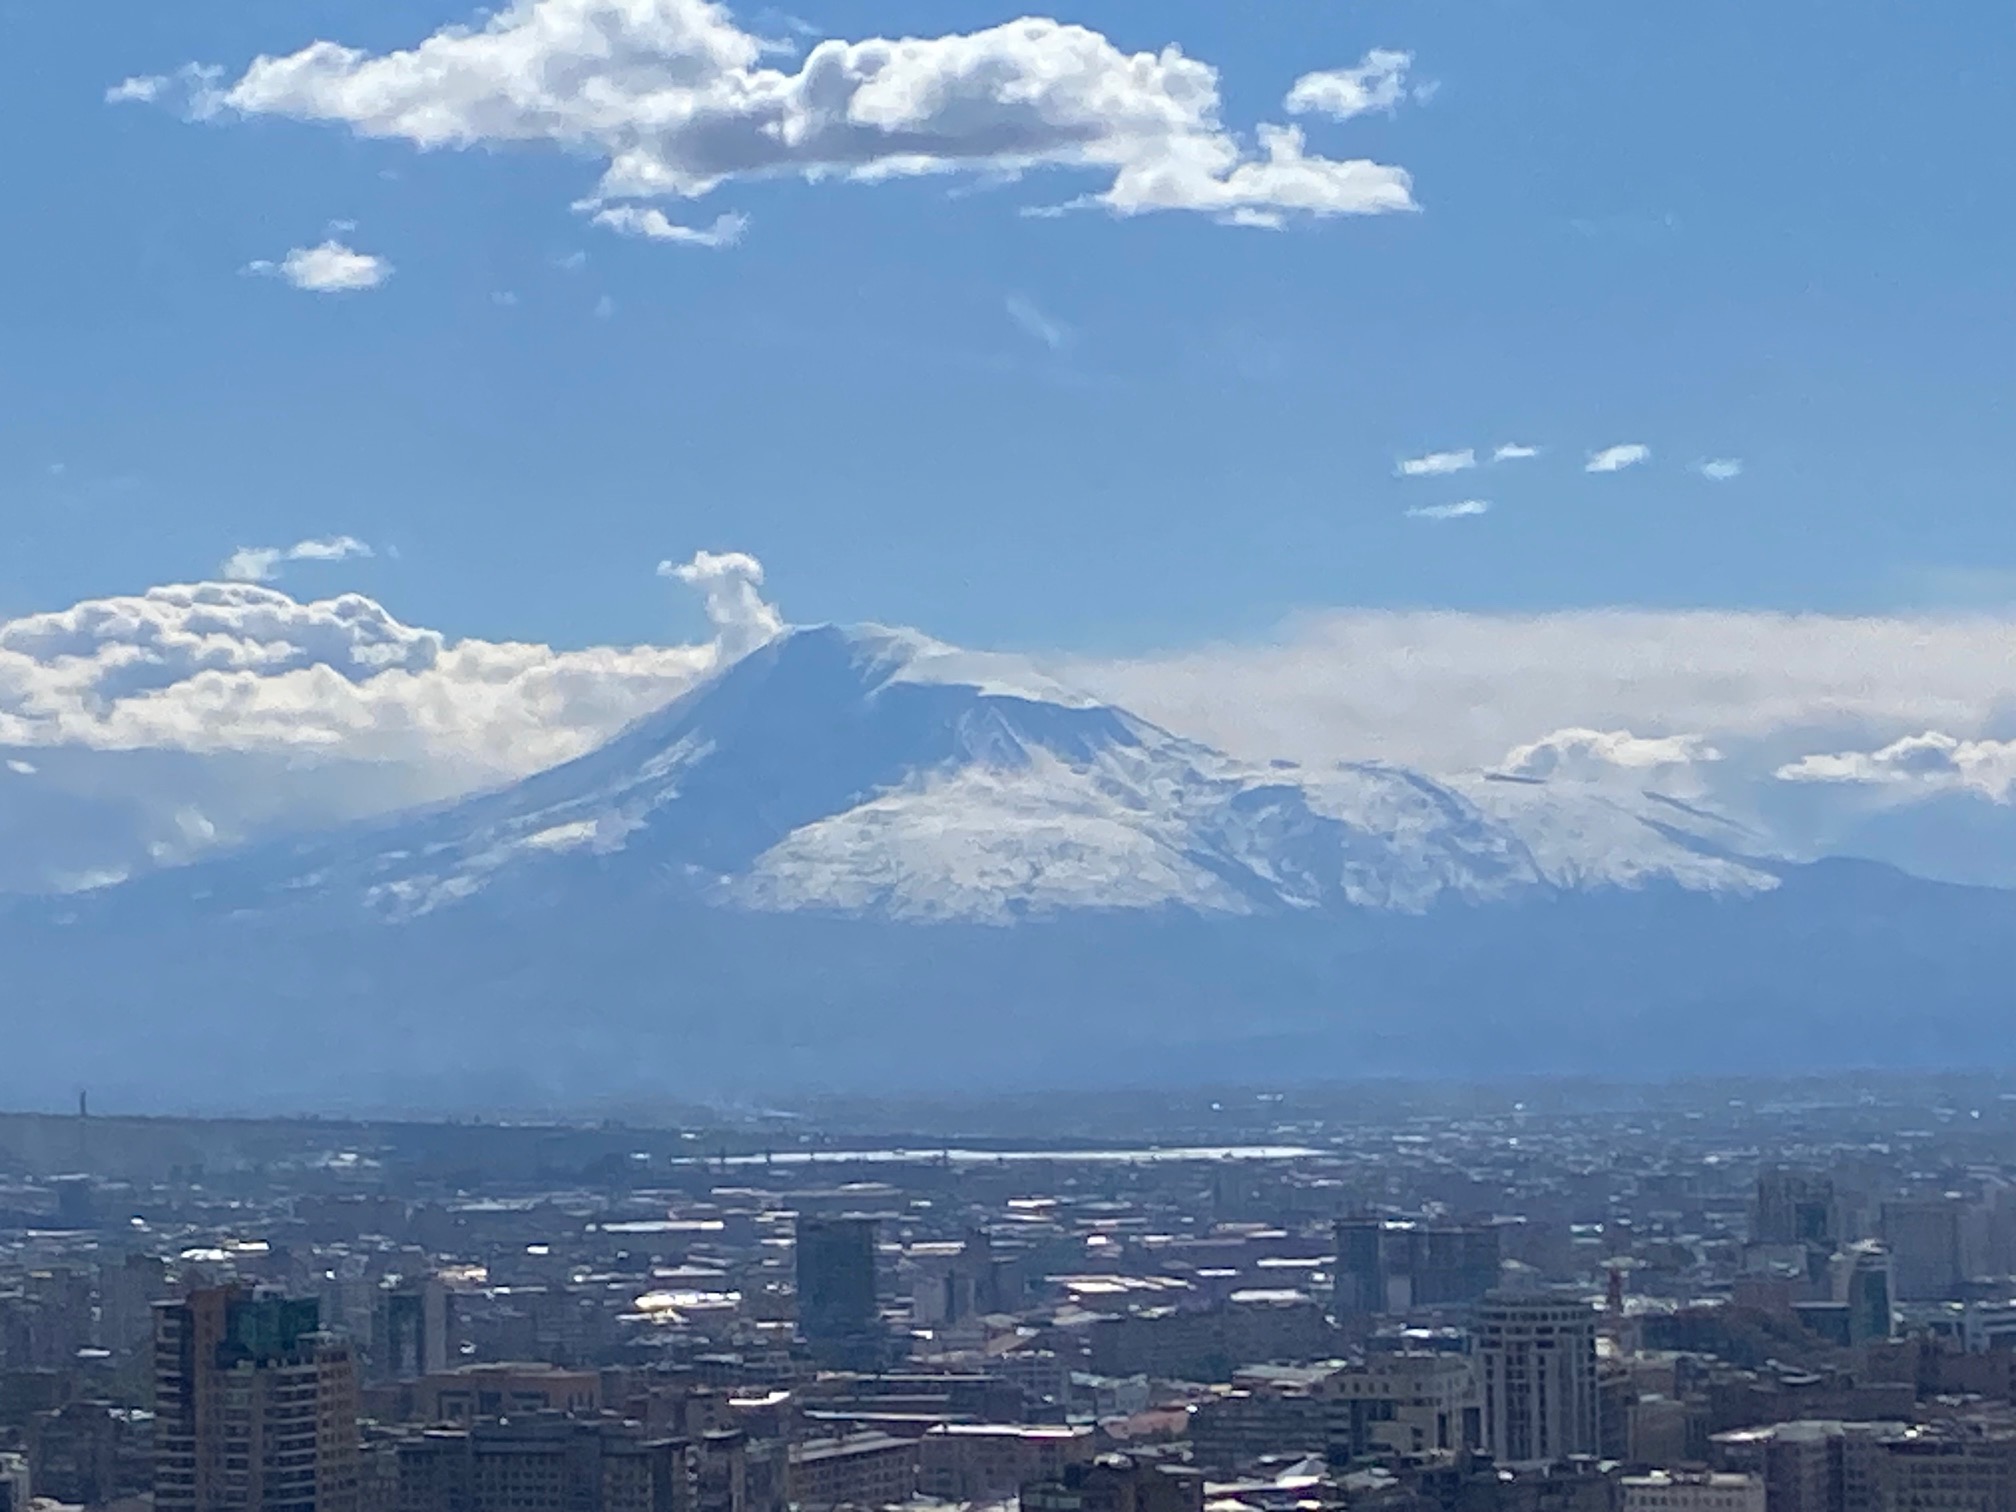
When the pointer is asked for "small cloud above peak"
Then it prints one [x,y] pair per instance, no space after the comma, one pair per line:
[1463,509]
[1720,469]
[1437,464]
[1513,451]
[331,268]
[730,583]
[262,564]
[1616,458]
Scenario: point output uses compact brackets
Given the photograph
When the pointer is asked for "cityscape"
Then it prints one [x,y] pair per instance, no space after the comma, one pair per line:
[941,756]
[1715,1297]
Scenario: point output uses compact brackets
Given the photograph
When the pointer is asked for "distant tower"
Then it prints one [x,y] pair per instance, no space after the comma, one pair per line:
[1865,1287]
[410,1327]
[1537,1359]
[837,1312]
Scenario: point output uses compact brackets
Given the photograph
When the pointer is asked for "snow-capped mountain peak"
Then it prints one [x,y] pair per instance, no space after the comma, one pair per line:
[871,771]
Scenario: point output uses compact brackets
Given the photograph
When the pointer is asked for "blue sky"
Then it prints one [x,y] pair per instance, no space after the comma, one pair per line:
[1781,233]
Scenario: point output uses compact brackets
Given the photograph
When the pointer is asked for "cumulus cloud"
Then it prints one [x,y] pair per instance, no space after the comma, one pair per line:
[1931,760]
[331,268]
[1436,464]
[1582,755]
[1378,82]
[261,564]
[214,667]
[1462,510]
[1513,451]
[1616,458]
[655,225]
[676,100]
[731,582]
[1720,469]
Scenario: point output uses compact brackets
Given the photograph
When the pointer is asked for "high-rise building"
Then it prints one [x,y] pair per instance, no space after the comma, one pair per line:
[255,1406]
[1394,1266]
[1865,1287]
[1536,1358]
[1793,1207]
[837,1312]
[411,1325]
[1361,1267]
[1924,1237]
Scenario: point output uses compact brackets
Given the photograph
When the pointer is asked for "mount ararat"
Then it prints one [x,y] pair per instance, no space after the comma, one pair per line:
[851,844]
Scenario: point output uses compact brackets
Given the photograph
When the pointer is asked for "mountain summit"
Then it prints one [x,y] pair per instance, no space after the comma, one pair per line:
[868,771]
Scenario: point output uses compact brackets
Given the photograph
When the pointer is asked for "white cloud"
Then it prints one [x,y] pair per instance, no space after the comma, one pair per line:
[1720,469]
[731,582]
[1436,464]
[142,89]
[1038,324]
[1513,451]
[1449,691]
[504,299]
[21,768]
[260,564]
[192,89]
[677,100]
[1932,760]
[1462,510]
[238,667]
[631,220]
[605,307]
[331,268]
[1616,458]
[1378,82]
[1583,755]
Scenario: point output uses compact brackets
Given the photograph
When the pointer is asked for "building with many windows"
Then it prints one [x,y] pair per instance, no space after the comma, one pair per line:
[1536,1358]
[255,1406]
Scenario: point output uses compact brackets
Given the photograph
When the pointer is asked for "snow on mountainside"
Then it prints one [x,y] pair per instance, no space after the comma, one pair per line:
[875,772]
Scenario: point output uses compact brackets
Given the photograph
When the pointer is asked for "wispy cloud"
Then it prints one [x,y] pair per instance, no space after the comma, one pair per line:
[1437,464]
[1513,451]
[1720,469]
[1378,82]
[261,564]
[331,268]
[655,225]
[1616,458]
[1038,324]
[1463,510]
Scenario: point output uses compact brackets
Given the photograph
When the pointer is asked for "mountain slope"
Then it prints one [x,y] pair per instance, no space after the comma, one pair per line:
[875,772]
